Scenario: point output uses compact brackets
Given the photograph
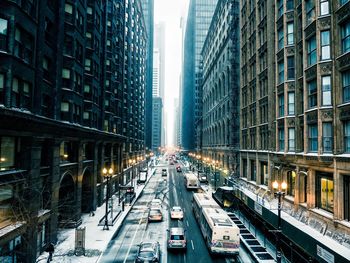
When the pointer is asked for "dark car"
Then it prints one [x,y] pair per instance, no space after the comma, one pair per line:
[148,252]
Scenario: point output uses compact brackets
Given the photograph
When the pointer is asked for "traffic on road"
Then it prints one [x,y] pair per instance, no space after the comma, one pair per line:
[167,224]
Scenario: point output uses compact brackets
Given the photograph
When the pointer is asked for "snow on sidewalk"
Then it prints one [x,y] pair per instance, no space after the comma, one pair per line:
[96,239]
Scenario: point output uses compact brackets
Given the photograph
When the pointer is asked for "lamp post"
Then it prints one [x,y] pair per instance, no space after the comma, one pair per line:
[198,157]
[279,193]
[107,174]
[214,165]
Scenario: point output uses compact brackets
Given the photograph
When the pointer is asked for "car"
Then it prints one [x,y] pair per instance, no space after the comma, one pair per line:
[178,169]
[148,252]
[202,178]
[176,213]
[156,203]
[155,214]
[164,172]
[176,238]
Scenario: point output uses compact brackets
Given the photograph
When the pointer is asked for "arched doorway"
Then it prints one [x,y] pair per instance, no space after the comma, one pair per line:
[87,192]
[66,203]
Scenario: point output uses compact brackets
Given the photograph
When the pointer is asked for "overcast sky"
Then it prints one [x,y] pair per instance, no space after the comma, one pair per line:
[170,11]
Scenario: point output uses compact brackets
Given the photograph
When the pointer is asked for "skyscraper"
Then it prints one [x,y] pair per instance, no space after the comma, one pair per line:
[198,20]
[295,121]
[148,14]
[158,86]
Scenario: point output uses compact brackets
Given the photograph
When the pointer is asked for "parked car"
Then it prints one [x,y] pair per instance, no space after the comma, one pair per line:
[155,214]
[176,213]
[176,238]
[148,252]
[203,178]
[178,169]
[164,172]
[142,177]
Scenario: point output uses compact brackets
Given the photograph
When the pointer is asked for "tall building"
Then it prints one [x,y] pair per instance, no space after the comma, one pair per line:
[157,123]
[158,86]
[148,13]
[220,86]
[177,123]
[199,16]
[135,41]
[295,122]
[66,89]
[159,48]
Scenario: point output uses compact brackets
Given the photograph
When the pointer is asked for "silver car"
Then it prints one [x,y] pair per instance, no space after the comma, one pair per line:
[176,238]
[148,252]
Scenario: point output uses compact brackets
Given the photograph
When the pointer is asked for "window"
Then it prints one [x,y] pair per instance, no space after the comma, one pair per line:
[290,4]
[312,93]
[324,7]
[281,105]
[89,10]
[347,136]
[64,106]
[3,34]
[290,33]
[264,173]
[280,8]
[87,88]
[326,91]
[343,2]
[65,73]
[281,139]
[15,93]
[280,72]
[252,171]
[280,38]
[23,45]
[345,37]
[346,86]
[86,115]
[310,10]
[325,45]
[324,191]
[311,51]
[88,64]
[327,137]
[7,153]
[68,8]
[291,139]
[291,175]
[313,134]
[2,88]
[291,103]
[291,68]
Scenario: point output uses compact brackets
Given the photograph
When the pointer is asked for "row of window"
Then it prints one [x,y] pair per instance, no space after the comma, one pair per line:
[312,93]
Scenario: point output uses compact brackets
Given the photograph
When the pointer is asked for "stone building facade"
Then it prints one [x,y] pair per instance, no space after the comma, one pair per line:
[66,89]
[220,87]
[294,111]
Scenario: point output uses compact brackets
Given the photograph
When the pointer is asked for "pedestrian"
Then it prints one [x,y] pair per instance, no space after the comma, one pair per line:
[50,248]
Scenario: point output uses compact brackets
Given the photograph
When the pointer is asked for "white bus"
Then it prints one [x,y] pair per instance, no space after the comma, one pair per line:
[220,233]
[191,181]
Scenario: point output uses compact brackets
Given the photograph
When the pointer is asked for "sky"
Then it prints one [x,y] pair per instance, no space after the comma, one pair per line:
[170,12]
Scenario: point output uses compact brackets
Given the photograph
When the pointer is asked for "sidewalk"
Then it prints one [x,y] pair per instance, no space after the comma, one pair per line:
[96,239]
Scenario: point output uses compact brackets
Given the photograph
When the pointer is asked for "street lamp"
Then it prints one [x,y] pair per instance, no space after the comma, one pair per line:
[215,179]
[279,193]
[198,158]
[107,174]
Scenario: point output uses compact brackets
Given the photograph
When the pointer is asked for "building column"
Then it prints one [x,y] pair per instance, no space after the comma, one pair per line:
[55,187]
[311,189]
[95,174]
[79,175]
[30,159]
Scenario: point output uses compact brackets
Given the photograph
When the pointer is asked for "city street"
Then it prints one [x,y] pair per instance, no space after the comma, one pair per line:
[171,190]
